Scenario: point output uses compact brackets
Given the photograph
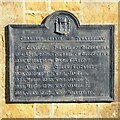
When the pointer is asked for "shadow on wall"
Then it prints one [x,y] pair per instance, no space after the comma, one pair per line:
[7,79]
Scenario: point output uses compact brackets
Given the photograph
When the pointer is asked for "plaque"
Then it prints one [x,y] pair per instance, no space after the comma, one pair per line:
[61,61]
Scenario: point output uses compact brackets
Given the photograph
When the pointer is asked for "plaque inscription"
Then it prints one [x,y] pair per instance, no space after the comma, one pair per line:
[61,61]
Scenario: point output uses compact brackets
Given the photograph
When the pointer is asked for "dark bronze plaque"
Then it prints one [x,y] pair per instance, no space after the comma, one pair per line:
[61,61]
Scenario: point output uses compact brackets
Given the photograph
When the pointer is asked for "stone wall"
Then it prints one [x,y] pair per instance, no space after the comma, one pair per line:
[26,12]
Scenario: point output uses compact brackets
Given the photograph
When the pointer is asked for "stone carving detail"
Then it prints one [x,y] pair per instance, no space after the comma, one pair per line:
[62,25]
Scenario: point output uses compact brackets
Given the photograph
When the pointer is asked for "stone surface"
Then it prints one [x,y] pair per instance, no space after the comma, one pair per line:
[0,109]
[116,66]
[2,68]
[17,110]
[61,5]
[1,44]
[116,83]
[119,57]
[110,13]
[2,85]
[82,110]
[35,18]
[108,110]
[99,13]
[43,110]
[78,15]
[11,13]
[41,6]
[119,110]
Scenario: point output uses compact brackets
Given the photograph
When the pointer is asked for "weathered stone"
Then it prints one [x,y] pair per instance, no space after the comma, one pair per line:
[0,109]
[62,5]
[118,110]
[99,13]
[43,110]
[35,18]
[2,68]
[78,15]
[17,110]
[11,13]
[75,109]
[41,6]
[108,110]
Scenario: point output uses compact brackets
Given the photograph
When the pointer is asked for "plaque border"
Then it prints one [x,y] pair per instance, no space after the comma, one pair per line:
[59,99]
[45,25]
